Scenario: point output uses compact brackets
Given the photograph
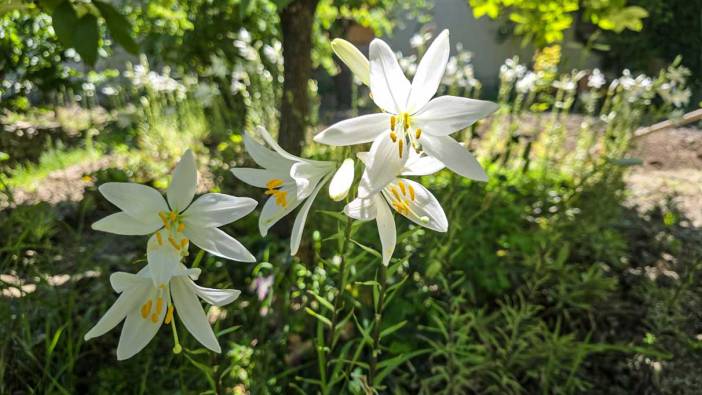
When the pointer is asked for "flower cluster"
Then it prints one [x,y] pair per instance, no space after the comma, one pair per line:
[150,297]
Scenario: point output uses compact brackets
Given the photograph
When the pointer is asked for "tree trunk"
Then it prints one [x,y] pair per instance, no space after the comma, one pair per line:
[296,22]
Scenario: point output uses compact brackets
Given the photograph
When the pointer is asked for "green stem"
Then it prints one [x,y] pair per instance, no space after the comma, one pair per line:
[375,351]
[342,284]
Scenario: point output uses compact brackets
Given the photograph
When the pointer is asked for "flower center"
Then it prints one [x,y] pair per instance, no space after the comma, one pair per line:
[401,130]
[274,190]
[174,225]
[401,197]
[152,308]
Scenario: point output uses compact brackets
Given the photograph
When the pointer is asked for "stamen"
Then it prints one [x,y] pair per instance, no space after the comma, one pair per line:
[400,146]
[393,137]
[418,133]
[159,304]
[274,183]
[164,218]
[406,120]
[184,242]
[169,315]
[411,191]
[173,243]
[181,227]
[402,187]
[159,238]
[154,318]
[393,123]
[394,192]
[172,216]
[145,309]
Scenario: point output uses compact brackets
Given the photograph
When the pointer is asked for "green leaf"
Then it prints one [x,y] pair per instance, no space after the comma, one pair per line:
[392,329]
[85,38]
[4,156]
[64,20]
[321,300]
[367,249]
[119,26]
[390,364]
[318,316]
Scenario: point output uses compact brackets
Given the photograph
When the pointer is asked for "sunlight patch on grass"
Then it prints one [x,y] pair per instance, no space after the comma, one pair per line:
[28,176]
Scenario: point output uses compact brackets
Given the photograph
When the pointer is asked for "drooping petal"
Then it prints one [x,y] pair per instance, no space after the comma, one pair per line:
[255,177]
[307,176]
[272,212]
[264,157]
[341,182]
[214,296]
[218,243]
[162,256]
[123,281]
[353,58]
[126,302]
[386,162]
[138,201]
[386,228]
[389,86]
[280,151]
[192,315]
[301,218]
[429,72]
[361,209]
[356,130]
[421,165]
[217,209]
[424,209]
[184,183]
[124,224]
[455,156]
[137,331]
[448,114]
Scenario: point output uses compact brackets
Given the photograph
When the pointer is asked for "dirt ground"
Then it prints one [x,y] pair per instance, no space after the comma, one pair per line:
[672,166]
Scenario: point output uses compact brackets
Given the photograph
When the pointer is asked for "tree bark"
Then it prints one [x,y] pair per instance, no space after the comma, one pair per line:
[296,22]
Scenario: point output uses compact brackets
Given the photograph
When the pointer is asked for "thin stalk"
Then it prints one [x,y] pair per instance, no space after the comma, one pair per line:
[342,284]
[372,372]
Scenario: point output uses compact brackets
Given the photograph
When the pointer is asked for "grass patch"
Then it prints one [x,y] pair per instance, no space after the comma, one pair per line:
[29,175]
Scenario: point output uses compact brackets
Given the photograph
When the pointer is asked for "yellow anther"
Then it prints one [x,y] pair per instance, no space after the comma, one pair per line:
[172,216]
[181,227]
[159,305]
[402,187]
[173,243]
[164,218]
[145,309]
[169,315]
[418,133]
[406,120]
[411,191]
[393,136]
[274,183]
[154,318]
[394,192]
[393,122]
[183,242]
[400,146]
[159,238]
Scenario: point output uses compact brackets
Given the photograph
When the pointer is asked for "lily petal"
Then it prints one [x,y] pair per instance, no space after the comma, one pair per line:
[184,183]
[214,296]
[255,177]
[124,224]
[425,210]
[389,86]
[212,210]
[356,130]
[218,243]
[263,156]
[192,315]
[429,72]
[386,162]
[122,281]
[308,175]
[353,58]
[341,182]
[421,165]
[125,303]
[162,257]
[455,156]
[386,228]
[272,212]
[301,218]
[361,209]
[137,332]
[448,114]
[138,201]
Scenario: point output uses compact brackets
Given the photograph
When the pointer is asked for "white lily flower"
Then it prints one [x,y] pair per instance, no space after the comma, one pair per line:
[411,116]
[353,58]
[407,197]
[341,182]
[288,179]
[146,306]
[177,221]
